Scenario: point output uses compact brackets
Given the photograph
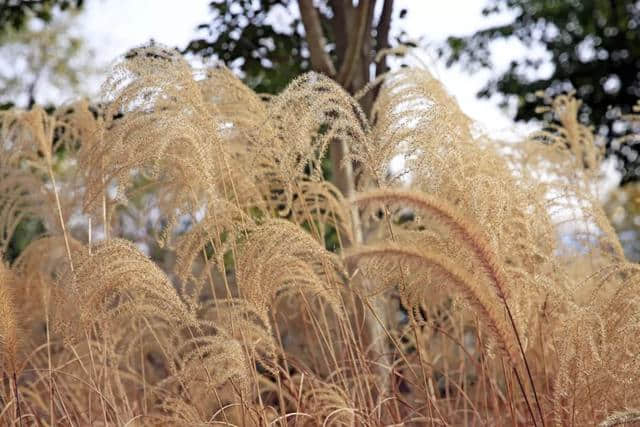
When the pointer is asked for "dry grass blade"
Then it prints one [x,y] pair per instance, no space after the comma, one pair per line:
[280,258]
[195,259]
[8,320]
[487,309]
[625,418]
[112,282]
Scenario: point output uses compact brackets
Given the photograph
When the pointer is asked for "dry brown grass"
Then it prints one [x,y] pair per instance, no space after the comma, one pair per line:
[197,268]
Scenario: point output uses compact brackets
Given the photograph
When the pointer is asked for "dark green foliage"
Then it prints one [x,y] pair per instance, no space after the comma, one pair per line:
[14,14]
[594,47]
[27,231]
[250,35]
[240,35]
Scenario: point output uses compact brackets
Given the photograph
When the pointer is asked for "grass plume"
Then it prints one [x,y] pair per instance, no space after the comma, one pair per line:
[193,263]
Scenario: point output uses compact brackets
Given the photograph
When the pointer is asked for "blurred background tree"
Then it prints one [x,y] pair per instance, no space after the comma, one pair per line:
[272,41]
[247,38]
[593,47]
[16,14]
[44,59]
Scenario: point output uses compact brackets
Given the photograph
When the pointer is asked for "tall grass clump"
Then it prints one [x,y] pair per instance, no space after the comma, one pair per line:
[193,263]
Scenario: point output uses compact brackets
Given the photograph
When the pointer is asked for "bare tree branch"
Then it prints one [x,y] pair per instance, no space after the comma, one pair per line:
[362,75]
[354,48]
[342,16]
[382,35]
[320,60]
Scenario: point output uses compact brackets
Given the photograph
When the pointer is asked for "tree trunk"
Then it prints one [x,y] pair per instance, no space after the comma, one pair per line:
[352,28]
[320,60]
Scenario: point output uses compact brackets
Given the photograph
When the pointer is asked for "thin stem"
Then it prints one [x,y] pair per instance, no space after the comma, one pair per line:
[60,216]
[15,389]
[526,364]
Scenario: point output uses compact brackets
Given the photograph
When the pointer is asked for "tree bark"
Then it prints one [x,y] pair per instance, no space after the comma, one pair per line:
[346,73]
[365,59]
[320,60]
[382,35]
[342,15]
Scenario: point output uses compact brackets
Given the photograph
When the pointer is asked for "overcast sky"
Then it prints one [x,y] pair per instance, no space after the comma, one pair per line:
[113,26]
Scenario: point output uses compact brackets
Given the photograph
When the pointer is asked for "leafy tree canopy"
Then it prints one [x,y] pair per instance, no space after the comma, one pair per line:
[241,35]
[44,56]
[594,47]
[14,14]
[45,63]
[268,40]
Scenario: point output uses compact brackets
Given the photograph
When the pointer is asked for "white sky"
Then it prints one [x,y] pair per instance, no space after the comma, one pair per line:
[113,26]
